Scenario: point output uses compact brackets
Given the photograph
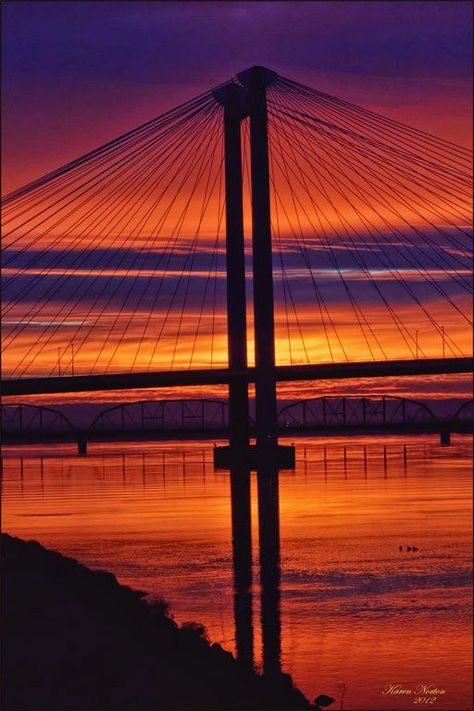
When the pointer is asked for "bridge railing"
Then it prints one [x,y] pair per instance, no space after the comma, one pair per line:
[465,412]
[25,420]
[162,415]
[355,411]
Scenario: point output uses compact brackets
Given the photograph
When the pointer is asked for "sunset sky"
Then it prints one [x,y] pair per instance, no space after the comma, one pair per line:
[78,74]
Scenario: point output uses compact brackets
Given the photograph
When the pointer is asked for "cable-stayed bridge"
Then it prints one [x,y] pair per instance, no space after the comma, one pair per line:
[136,265]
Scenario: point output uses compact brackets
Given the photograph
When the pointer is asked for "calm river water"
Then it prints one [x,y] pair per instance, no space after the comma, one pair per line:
[355,613]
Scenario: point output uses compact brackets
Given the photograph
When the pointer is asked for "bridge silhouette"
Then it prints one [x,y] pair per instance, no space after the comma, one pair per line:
[114,265]
[25,423]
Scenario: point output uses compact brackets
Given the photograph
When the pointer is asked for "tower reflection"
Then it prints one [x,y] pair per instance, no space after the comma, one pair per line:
[270,572]
[269,554]
[242,561]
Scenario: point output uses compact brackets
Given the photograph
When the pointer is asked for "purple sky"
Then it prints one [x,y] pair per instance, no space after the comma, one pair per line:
[77,73]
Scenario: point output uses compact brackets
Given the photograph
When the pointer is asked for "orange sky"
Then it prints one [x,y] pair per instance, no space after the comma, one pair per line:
[126,268]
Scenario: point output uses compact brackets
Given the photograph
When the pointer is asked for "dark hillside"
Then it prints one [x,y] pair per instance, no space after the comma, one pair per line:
[76,639]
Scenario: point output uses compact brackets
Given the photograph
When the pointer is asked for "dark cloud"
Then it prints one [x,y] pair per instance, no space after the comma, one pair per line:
[132,278]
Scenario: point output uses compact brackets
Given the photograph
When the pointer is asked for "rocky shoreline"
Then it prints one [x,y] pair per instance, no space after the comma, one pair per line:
[74,639]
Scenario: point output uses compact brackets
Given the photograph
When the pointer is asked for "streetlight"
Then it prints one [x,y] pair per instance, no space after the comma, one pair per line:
[416,343]
[444,345]
[72,361]
[59,360]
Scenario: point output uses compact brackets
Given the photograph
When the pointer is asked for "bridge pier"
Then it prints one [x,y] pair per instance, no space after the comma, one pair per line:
[82,446]
[254,457]
[445,438]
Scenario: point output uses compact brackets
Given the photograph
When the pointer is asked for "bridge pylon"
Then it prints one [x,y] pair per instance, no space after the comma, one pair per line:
[234,101]
[239,102]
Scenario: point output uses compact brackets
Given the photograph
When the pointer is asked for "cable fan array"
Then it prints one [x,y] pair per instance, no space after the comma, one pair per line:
[375,218]
[115,262]
[111,263]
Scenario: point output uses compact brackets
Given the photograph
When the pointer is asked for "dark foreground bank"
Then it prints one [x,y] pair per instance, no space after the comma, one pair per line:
[75,639]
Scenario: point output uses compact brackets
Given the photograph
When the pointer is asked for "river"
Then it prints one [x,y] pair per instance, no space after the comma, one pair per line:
[352,613]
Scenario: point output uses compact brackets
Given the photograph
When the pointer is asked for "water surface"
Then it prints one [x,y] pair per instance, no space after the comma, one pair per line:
[356,613]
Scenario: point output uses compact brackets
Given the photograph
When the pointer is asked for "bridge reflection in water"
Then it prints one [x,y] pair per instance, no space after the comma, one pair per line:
[269,559]
[159,517]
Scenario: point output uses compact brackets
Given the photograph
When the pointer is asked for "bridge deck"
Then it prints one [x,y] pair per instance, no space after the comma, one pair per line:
[178,378]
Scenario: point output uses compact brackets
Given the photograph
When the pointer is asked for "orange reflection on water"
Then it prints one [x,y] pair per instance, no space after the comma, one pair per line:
[354,608]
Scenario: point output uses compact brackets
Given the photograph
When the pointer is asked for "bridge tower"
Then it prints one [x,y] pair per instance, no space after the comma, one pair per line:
[233,99]
[249,100]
